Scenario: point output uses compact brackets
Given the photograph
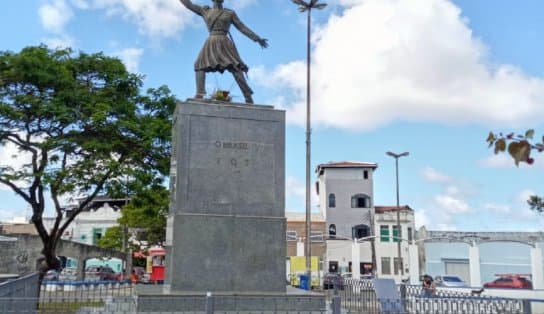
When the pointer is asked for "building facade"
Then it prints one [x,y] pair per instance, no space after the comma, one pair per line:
[91,224]
[359,233]
[346,198]
[385,228]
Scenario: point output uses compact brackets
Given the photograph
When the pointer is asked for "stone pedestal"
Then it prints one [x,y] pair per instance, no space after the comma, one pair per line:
[226,226]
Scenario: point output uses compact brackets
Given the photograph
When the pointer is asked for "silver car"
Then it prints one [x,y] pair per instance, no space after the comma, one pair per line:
[449,281]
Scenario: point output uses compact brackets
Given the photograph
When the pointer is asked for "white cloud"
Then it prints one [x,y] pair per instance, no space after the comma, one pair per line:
[504,160]
[130,57]
[157,18]
[295,194]
[294,188]
[59,42]
[451,204]
[240,4]
[421,218]
[524,195]
[433,176]
[10,156]
[55,15]
[386,60]
[497,208]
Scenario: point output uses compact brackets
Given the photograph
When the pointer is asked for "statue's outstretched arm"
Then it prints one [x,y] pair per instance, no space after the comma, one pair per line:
[248,32]
[191,6]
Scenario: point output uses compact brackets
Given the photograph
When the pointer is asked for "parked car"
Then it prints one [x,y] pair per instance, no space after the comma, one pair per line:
[51,275]
[330,280]
[510,281]
[449,281]
[68,273]
[100,273]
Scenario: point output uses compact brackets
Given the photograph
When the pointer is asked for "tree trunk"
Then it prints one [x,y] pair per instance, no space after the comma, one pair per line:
[50,257]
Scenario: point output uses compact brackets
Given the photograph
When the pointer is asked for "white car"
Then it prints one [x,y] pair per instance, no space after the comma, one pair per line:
[449,281]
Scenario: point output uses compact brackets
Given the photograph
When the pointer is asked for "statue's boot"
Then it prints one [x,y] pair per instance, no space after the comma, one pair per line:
[244,87]
[200,77]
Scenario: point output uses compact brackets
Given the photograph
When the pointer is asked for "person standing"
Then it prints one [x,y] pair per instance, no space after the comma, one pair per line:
[219,52]
[429,287]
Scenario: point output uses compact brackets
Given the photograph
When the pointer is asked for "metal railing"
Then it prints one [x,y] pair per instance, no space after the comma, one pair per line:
[73,296]
[359,297]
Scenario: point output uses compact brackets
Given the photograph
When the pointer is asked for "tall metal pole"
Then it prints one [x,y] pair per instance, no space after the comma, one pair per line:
[400,264]
[399,253]
[308,154]
[308,6]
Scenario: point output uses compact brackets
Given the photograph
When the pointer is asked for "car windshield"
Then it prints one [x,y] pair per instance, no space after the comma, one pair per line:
[452,279]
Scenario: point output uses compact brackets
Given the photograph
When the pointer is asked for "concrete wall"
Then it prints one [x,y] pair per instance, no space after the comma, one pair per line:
[21,256]
[318,248]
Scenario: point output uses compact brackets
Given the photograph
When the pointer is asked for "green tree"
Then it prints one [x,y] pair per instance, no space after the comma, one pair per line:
[112,239]
[146,214]
[84,125]
[520,147]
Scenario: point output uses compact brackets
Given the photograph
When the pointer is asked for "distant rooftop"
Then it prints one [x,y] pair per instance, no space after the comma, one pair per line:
[385,209]
[346,164]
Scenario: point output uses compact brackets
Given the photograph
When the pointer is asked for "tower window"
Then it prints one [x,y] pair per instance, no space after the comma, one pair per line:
[332,200]
[332,230]
[360,201]
[360,231]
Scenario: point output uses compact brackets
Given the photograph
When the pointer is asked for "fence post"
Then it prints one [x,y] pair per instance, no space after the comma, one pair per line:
[527,306]
[336,304]
[209,303]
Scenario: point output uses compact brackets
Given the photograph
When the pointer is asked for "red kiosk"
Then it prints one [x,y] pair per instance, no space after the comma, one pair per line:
[155,264]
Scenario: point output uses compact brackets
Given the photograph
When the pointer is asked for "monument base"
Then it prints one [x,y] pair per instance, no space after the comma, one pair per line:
[293,300]
[227,253]
[226,226]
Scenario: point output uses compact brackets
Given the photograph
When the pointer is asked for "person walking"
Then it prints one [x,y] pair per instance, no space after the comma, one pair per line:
[429,287]
[219,52]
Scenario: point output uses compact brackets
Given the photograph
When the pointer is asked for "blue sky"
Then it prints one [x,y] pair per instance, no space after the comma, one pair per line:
[431,77]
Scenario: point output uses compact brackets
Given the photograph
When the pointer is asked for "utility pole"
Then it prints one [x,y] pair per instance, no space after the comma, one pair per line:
[399,253]
[307,7]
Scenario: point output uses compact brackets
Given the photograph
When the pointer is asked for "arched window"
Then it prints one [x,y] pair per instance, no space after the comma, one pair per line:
[360,201]
[332,200]
[360,231]
[332,230]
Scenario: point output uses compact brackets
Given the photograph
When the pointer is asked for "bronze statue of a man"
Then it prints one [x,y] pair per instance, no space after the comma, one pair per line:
[219,52]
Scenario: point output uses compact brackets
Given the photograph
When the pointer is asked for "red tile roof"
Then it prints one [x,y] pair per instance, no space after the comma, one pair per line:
[383,209]
[346,164]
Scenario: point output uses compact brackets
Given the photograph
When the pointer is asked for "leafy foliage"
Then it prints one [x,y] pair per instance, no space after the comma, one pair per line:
[112,239]
[518,146]
[82,125]
[536,203]
[144,216]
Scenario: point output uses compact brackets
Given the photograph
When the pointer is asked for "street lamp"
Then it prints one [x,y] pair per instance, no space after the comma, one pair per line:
[308,6]
[397,156]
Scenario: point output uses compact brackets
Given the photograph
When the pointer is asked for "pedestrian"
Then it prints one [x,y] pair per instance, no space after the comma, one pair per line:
[133,277]
[429,287]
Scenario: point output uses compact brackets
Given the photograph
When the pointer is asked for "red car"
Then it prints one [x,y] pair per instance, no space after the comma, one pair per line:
[510,281]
